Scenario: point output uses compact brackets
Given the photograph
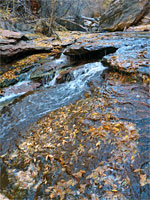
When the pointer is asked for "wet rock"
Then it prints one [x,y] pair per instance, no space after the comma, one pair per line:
[64,76]
[25,179]
[41,73]
[98,50]
[146,19]
[48,69]
[122,14]
[6,42]
[127,51]
[8,82]
[67,41]
[88,47]
[133,56]
[4,176]
[20,88]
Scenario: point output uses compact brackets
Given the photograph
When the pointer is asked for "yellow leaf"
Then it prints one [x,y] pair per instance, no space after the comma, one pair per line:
[118,125]
[98,143]
[143,179]
[114,190]
[74,134]
[137,170]
[107,127]
[116,129]
[64,141]
[132,157]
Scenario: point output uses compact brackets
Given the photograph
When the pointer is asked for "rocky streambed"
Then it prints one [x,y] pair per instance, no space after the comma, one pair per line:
[90,105]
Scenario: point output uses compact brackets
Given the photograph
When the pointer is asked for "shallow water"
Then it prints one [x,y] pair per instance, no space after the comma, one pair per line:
[24,110]
[121,95]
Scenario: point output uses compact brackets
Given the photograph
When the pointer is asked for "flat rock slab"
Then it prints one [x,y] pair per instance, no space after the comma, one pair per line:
[95,42]
[19,89]
[12,35]
[128,51]
[122,14]
[131,58]
[15,44]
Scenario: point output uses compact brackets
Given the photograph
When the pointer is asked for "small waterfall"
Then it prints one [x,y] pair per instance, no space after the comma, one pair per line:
[50,80]
[26,76]
[84,74]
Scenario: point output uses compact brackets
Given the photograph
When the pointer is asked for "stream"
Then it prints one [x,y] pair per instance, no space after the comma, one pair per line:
[96,124]
[23,108]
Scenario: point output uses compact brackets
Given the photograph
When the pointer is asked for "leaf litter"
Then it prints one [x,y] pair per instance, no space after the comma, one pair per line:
[80,151]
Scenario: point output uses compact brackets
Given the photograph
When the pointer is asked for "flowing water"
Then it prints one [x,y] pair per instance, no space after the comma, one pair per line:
[28,101]
[24,110]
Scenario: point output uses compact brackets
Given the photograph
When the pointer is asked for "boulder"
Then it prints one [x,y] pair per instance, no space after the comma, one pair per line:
[122,14]
[146,18]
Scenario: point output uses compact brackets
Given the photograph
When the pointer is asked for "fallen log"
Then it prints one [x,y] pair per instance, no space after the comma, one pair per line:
[70,25]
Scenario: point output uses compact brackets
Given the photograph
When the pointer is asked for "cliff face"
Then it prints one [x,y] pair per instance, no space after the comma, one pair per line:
[123,13]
